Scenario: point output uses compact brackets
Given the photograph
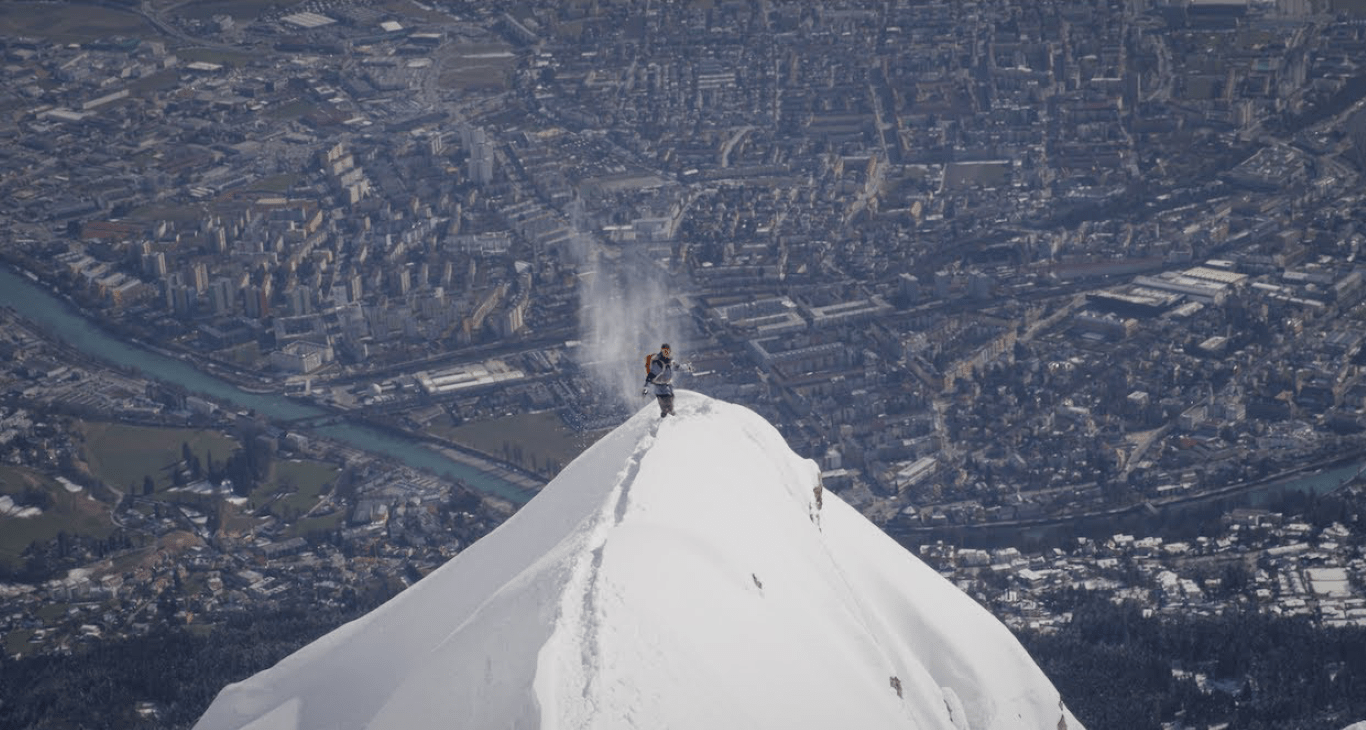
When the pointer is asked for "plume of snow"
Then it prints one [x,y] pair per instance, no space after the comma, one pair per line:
[622,314]
[688,572]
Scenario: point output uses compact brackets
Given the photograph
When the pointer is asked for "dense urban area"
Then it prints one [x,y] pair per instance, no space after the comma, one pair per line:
[1064,295]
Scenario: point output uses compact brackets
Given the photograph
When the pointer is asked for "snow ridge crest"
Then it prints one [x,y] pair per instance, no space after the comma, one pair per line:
[689,571]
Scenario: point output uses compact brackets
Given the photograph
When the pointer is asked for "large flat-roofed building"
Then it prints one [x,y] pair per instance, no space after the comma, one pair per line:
[849,312]
[1135,301]
[1201,289]
[909,475]
[1217,7]
[306,21]
[809,358]
[463,377]
[1220,276]
[1106,324]
[765,317]
[301,357]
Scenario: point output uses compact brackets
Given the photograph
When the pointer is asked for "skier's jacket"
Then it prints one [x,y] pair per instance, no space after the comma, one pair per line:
[659,372]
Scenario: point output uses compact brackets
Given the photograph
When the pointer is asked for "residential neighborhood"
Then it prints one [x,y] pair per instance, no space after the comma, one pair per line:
[995,267]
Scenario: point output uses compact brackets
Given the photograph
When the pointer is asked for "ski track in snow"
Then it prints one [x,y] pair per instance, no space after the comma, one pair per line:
[587,579]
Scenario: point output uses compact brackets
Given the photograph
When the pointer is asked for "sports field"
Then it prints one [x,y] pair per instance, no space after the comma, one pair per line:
[121,455]
[70,23]
[76,513]
[539,442]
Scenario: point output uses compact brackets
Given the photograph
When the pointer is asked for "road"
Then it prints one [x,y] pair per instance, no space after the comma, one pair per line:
[985,529]
[154,19]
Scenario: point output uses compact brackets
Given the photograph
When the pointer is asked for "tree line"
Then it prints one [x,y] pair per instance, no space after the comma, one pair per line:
[1115,669]
[178,672]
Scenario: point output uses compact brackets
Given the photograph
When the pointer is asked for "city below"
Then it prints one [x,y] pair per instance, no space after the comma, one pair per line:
[1062,295]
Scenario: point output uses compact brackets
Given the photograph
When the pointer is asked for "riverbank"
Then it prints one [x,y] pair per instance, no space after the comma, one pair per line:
[80,332]
[529,483]
[1319,476]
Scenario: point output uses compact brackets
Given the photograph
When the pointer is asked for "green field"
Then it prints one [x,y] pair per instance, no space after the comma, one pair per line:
[543,439]
[291,489]
[121,455]
[70,23]
[214,55]
[410,9]
[306,525]
[16,642]
[238,9]
[75,513]
[476,66]
[299,484]
[1351,7]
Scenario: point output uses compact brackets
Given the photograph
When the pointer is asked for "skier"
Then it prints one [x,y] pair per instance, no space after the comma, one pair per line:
[659,372]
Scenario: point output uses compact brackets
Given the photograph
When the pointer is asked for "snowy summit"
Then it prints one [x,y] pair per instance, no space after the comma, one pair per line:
[686,572]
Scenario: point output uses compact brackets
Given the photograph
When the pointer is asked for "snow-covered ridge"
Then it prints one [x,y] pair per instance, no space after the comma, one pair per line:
[686,573]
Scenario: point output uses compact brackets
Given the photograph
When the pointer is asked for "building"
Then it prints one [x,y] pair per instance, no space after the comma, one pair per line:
[301,357]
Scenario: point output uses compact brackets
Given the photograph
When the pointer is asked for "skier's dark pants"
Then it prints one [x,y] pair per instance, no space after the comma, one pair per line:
[666,405]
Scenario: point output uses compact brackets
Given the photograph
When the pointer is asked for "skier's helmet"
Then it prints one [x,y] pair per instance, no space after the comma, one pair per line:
[664,348]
